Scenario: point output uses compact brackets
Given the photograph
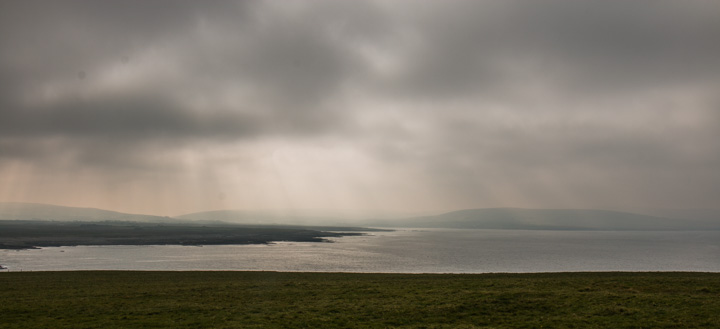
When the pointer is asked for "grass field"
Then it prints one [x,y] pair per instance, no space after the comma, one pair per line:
[333,300]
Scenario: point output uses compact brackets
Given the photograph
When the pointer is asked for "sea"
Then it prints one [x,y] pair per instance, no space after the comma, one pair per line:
[405,251]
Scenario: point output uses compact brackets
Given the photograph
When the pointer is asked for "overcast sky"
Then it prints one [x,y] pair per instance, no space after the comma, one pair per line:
[170,107]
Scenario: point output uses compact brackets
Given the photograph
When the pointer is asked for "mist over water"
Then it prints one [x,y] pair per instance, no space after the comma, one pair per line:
[407,251]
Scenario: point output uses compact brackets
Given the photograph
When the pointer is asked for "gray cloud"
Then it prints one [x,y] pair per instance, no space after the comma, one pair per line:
[589,47]
[410,104]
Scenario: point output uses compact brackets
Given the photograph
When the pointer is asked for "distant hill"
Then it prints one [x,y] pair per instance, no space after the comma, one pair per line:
[488,218]
[18,211]
[37,211]
[262,217]
[556,219]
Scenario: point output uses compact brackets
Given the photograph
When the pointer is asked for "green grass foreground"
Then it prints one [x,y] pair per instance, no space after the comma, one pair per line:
[110,299]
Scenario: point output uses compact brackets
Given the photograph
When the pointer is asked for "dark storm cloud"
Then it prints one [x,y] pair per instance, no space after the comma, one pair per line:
[291,61]
[122,118]
[299,58]
[590,46]
[294,62]
[62,42]
[480,100]
[61,38]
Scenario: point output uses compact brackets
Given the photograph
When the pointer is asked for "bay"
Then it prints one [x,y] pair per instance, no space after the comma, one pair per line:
[406,251]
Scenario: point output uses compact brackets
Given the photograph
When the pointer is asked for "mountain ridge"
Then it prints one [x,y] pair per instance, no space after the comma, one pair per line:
[41,211]
[478,218]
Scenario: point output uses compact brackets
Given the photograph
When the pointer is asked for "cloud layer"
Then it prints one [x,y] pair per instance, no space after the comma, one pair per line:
[168,107]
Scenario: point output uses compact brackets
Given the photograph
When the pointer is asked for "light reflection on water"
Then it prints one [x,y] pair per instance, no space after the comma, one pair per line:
[408,251]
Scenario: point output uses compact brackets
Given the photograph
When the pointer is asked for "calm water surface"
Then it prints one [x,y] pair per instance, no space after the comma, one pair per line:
[408,251]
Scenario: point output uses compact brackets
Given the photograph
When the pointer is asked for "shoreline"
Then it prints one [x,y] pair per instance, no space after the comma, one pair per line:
[20,235]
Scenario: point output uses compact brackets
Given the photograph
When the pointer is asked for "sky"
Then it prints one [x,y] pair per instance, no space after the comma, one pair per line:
[171,107]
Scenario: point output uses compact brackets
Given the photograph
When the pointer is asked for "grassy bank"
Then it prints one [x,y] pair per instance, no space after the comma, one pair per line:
[312,300]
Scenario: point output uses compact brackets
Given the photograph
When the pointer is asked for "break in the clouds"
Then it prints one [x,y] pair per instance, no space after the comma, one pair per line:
[168,107]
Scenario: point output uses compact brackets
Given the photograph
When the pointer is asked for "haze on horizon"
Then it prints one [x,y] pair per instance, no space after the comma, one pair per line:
[172,107]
